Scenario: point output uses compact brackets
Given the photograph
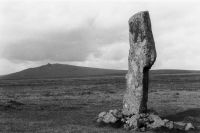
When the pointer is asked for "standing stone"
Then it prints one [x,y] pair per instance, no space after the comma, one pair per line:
[142,55]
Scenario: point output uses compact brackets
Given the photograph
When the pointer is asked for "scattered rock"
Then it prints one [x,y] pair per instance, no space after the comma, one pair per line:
[169,124]
[157,121]
[133,122]
[107,117]
[179,125]
[116,113]
[189,126]
[140,122]
[102,114]
[101,117]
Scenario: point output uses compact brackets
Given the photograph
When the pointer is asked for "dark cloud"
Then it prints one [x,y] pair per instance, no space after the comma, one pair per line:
[64,45]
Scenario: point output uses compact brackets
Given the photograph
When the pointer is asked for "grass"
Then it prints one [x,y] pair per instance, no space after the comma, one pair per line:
[71,105]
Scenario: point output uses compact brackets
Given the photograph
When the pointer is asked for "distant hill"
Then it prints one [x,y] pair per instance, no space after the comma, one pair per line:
[50,71]
[174,72]
[62,71]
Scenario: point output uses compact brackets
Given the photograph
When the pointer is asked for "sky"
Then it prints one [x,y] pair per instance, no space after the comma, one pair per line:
[95,33]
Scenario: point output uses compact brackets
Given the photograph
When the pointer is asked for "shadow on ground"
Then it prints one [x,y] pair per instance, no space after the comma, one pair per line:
[185,115]
[190,115]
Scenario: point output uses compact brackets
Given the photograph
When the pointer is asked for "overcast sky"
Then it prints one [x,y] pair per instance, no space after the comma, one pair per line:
[95,34]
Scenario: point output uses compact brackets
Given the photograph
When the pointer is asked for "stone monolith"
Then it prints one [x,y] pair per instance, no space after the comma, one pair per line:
[142,55]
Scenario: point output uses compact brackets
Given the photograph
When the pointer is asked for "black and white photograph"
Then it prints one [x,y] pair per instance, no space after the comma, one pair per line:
[99,66]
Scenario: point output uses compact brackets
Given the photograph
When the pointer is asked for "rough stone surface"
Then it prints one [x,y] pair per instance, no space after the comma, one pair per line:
[189,126]
[107,117]
[102,114]
[156,121]
[142,55]
[179,125]
[133,121]
[140,122]
[169,124]
[116,113]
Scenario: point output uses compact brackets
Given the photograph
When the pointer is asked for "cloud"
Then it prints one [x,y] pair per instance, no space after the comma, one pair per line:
[94,34]
[63,45]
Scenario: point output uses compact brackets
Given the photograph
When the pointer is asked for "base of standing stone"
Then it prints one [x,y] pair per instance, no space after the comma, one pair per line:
[139,122]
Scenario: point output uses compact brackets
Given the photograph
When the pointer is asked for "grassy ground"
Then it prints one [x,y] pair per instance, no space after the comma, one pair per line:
[71,105]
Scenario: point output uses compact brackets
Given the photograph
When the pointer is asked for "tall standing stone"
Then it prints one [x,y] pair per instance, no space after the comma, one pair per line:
[142,55]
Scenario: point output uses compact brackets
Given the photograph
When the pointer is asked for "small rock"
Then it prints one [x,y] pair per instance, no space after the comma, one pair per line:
[169,124]
[109,118]
[133,121]
[165,120]
[189,126]
[157,121]
[113,111]
[102,114]
[179,125]
[106,117]
[116,113]
[101,117]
